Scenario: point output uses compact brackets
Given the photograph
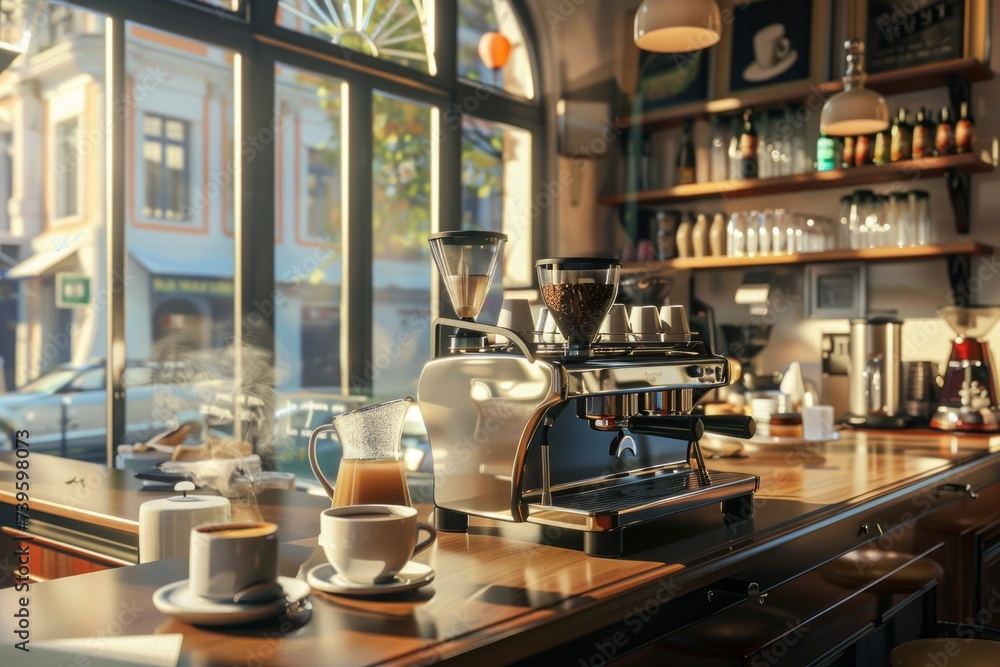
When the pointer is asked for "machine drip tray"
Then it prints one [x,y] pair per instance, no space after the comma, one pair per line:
[630,501]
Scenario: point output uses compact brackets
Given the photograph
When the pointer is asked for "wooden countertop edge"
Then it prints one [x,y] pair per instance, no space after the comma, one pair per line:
[486,637]
[58,509]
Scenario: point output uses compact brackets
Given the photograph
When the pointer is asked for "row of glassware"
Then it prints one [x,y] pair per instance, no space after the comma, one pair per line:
[778,231]
[866,220]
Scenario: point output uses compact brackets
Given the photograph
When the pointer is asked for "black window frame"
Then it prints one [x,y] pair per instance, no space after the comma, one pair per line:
[252,33]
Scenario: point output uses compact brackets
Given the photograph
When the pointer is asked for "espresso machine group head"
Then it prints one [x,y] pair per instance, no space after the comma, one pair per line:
[591,435]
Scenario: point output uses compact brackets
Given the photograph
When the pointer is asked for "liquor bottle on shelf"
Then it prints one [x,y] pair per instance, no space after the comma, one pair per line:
[847,156]
[699,236]
[923,135]
[682,237]
[826,153]
[686,173]
[718,157]
[862,150]
[748,147]
[902,137]
[734,149]
[965,130]
[944,137]
[881,150]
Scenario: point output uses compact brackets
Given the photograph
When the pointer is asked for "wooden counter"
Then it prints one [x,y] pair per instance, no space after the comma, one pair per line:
[499,597]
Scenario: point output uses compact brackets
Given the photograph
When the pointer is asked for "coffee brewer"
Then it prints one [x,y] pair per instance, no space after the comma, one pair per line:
[591,435]
[874,373]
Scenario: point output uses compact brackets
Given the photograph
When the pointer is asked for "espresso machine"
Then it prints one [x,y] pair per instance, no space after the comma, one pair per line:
[594,434]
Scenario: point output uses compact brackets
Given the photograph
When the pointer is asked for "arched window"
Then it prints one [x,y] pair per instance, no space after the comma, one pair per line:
[279,163]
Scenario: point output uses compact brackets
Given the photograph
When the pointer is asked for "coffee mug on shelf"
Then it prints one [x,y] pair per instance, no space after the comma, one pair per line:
[370,544]
[228,558]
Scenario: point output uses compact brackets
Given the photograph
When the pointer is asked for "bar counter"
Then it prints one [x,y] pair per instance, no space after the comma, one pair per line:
[519,593]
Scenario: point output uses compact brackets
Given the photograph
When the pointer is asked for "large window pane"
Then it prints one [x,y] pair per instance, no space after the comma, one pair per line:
[181,252]
[402,165]
[491,28]
[496,196]
[400,31]
[308,264]
[52,240]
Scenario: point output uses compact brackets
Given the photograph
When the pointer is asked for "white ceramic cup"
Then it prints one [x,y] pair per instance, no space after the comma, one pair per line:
[615,325]
[645,322]
[817,422]
[369,544]
[770,45]
[674,319]
[515,314]
[227,558]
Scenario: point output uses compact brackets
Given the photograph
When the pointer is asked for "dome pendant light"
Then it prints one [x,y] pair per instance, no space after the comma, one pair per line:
[677,26]
[856,110]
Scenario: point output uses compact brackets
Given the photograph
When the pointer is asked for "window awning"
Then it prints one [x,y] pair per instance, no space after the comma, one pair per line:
[186,264]
[46,263]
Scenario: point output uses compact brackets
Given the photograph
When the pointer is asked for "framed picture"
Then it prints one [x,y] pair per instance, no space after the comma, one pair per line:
[835,291]
[768,45]
[899,35]
[666,79]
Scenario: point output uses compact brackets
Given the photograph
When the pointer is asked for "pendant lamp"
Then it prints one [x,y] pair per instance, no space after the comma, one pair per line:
[677,26]
[857,110]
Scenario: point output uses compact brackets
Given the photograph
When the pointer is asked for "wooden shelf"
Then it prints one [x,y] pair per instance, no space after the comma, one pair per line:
[908,170]
[967,248]
[905,80]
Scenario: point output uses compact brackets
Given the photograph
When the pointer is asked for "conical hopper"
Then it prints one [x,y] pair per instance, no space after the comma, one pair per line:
[467,261]
[970,321]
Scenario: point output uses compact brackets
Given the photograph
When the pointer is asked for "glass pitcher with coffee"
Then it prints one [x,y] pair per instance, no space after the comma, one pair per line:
[371,466]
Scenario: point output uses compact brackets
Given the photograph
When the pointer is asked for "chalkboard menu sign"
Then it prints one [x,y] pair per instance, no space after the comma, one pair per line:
[913,32]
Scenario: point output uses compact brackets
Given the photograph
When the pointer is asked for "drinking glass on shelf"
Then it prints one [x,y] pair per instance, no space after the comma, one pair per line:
[736,241]
[752,233]
[763,219]
[843,236]
[920,214]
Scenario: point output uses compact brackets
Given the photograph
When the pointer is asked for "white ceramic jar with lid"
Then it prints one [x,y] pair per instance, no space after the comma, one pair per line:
[165,523]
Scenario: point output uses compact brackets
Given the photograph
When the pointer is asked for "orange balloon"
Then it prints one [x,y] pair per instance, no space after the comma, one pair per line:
[494,49]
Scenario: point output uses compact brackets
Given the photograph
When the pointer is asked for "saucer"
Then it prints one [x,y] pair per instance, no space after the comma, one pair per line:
[178,601]
[756,72]
[413,575]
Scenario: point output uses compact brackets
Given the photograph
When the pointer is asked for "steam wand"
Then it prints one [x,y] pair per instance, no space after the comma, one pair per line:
[547,423]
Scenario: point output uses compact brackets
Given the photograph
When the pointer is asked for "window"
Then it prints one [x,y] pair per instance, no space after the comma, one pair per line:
[491,28]
[57,26]
[330,128]
[394,30]
[165,154]
[67,172]
[402,192]
[323,183]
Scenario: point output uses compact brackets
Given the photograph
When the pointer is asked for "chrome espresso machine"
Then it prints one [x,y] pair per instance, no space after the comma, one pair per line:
[577,429]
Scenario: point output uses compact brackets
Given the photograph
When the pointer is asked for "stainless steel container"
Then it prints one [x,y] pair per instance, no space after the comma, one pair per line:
[875,373]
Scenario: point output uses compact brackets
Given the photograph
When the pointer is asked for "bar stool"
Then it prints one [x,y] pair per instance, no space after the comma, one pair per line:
[951,651]
[864,566]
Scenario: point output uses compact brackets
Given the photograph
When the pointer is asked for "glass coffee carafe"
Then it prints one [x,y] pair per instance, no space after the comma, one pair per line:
[371,466]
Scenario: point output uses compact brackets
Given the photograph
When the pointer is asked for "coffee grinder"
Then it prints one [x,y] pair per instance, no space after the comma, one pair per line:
[969,396]
[467,260]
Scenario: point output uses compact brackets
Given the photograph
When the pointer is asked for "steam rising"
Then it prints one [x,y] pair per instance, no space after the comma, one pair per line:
[228,396]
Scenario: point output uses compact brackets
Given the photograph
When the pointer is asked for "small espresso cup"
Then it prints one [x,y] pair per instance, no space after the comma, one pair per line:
[370,544]
[226,558]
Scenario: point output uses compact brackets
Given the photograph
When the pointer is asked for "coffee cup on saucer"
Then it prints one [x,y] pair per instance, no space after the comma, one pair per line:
[228,560]
[370,544]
